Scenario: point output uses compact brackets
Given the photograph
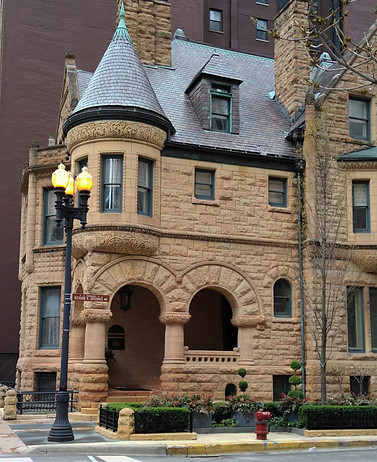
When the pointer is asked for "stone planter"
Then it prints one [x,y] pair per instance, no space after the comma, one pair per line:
[292,416]
[201,420]
[244,418]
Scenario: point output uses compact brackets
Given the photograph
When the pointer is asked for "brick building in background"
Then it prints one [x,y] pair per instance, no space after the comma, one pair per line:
[196,154]
[34,37]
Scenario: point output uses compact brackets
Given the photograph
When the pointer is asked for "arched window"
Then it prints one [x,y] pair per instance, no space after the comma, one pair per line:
[282,299]
[230,390]
[115,338]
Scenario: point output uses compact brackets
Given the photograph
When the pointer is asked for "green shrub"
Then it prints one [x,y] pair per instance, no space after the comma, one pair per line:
[337,417]
[220,412]
[296,365]
[119,406]
[230,423]
[161,420]
[243,385]
[242,372]
[274,408]
[295,380]
[296,394]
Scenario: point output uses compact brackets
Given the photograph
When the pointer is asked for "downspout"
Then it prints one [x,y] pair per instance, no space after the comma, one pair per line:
[301,276]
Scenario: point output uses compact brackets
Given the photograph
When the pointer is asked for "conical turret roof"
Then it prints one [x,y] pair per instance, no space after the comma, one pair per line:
[119,88]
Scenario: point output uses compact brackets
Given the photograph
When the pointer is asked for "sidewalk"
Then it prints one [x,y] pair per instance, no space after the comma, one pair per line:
[30,436]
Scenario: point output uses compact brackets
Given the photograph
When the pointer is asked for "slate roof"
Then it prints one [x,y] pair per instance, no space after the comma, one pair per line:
[119,79]
[263,126]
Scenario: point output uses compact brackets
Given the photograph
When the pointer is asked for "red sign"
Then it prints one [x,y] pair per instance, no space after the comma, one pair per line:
[90,298]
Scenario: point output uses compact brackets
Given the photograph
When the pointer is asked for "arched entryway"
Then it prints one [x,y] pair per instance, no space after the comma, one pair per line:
[210,327]
[135,338]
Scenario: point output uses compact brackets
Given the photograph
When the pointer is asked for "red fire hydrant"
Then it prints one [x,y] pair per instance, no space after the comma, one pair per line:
[262,417]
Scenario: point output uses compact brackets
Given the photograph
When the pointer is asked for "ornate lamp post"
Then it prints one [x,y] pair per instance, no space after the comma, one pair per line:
[64,188]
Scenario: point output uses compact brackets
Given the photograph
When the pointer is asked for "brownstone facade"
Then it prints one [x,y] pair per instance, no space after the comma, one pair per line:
[201,273]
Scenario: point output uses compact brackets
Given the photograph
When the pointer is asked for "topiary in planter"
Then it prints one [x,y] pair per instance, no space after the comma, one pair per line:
[242,372]
[295,380]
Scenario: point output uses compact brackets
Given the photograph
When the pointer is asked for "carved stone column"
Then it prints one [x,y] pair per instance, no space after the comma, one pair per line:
[245,325]
[174,337]
[93,384]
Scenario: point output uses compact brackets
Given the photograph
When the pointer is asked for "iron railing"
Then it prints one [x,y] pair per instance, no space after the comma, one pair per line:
[39,402]
[108,418]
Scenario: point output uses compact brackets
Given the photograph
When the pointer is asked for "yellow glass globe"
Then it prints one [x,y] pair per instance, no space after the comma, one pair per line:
[84,181]
[60,177]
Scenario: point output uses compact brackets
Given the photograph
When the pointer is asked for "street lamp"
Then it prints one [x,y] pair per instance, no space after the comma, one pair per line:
[64,188]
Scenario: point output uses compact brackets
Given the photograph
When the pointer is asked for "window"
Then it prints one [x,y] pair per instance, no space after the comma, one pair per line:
[216,20]
[45,382]
[144,187]
[359,385]
[112,175]
[52,235]
[360,202]
[204,184]
[355,319]
[280,385]
[221,108]
[359,119]
[277,192]
[282,299]
[49,317]
[262,30]
[115,338]
[373,318]
[81,164]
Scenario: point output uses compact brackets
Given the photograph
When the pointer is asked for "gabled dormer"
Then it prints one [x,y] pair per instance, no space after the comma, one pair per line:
[214,94]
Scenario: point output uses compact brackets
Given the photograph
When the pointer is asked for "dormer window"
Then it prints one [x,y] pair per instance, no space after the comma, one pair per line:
[221,108]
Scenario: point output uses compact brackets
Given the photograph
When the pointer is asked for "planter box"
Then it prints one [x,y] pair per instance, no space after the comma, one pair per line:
[244,419]
[201,420]
[292,416]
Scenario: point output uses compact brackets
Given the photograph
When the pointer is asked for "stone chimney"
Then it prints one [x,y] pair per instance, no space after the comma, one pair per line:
[148,23]
[292,64]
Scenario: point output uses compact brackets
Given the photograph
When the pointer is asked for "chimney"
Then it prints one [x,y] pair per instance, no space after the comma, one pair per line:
[148,23]
[292,63]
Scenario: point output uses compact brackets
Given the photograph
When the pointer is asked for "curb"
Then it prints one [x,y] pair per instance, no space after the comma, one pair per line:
[259,446]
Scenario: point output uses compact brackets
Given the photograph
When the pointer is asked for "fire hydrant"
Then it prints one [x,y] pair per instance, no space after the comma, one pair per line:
[262,417]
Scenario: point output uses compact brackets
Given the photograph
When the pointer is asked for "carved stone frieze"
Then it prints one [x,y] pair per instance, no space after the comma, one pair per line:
[175,318]
[248,321]
[114,241]
[93,315]
[357,165]
[116,129]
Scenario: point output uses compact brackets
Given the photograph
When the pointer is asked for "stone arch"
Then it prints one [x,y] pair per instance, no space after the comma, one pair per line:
[156,276]
[288,273]
[280,272]
[228,280]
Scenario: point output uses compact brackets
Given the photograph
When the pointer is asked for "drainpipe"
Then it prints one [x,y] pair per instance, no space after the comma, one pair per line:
[301,276]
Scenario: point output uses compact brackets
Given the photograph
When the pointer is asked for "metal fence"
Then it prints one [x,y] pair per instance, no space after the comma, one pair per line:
[108,418]
[39,402]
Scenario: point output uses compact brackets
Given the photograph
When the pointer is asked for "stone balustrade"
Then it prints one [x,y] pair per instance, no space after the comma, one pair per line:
[211,357]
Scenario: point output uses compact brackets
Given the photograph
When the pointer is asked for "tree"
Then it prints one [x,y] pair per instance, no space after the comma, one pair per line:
[329,50]
[328,253]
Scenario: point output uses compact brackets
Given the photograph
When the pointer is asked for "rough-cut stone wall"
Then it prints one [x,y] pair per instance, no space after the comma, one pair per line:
[148,23]
[291,59]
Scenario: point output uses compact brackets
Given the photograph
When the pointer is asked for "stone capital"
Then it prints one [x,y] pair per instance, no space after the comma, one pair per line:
[93,315]
[175,318]
[248,321]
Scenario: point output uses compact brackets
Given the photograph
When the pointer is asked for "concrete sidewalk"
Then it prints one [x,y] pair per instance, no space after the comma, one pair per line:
[30,436]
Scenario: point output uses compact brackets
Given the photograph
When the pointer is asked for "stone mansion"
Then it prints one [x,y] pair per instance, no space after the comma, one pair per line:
[205,220]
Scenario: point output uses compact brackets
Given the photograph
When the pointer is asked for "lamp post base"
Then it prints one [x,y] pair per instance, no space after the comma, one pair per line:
[61,429]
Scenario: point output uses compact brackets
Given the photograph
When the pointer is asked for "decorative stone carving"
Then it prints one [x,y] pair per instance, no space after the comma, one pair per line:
[116,129]
[366,259]
[248,321]
[175,318]
[114,241]
[93,315]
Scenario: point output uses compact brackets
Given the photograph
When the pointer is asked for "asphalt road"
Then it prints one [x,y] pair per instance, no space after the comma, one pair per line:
[360,455]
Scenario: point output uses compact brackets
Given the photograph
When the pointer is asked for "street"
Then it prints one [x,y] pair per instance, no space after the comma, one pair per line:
[361,455]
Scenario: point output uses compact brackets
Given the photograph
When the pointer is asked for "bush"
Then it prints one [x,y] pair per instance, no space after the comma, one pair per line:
[295,380]
[296,394]
[230,423]
[220,412]
[242,372]
[274,408]
[338,417]
[242,403]
[243,385]
[119,406]
[296,365]
[161,420]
